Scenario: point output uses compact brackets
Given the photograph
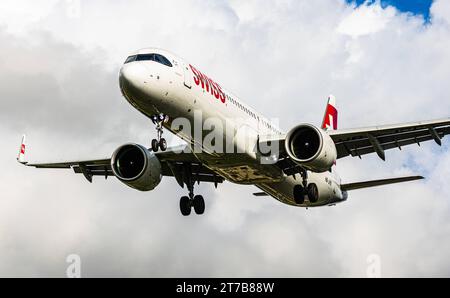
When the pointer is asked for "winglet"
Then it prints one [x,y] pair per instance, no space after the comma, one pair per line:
[21,157]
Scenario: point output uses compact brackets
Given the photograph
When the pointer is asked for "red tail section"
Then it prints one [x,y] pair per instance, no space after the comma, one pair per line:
[330,120]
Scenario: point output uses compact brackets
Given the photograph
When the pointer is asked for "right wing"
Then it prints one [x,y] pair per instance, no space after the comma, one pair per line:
[361,141]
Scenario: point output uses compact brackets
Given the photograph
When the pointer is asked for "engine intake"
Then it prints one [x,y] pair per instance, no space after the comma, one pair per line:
[311,147]
[136,166]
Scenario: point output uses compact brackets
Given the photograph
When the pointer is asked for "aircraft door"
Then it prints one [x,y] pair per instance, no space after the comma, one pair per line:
[187,76]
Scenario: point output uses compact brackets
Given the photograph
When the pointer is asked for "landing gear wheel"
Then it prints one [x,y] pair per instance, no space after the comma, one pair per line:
[155,145]
[299,194]
[199,205]
[185,206]
[162,144]
[313,193]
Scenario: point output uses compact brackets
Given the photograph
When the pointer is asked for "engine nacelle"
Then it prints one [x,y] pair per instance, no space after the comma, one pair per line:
[311,147]
[136,166]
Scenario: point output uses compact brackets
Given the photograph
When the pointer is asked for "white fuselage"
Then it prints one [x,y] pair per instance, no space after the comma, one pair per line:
[183,92]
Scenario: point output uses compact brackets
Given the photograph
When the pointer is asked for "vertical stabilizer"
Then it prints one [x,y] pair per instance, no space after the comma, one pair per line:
[330,119]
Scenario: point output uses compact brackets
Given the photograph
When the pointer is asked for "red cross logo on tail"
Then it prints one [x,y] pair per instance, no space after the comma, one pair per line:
[330,118]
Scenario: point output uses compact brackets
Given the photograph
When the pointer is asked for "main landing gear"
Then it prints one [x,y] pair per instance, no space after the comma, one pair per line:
[191,201]
[187,202]
[305,189]
[159,142]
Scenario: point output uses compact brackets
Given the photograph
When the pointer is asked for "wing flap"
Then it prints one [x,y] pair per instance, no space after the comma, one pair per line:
[94,170]
[70,164]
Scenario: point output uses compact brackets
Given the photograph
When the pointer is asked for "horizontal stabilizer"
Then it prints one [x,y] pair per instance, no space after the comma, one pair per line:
[373,183]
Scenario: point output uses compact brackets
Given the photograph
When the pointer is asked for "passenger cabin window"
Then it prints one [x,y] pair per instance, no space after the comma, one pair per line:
[149,57]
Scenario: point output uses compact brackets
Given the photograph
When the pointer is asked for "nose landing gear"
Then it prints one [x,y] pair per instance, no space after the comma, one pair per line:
[159,142]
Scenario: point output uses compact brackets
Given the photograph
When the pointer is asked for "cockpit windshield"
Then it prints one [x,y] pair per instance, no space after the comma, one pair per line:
[149,57]
[131,59]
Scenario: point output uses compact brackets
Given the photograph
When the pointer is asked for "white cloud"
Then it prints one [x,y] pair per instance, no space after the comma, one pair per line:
[440,12]
[366,19]
[18,15]
[58,83]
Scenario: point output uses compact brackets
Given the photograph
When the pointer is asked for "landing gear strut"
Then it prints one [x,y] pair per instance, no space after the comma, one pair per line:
[305,189]
[159,142]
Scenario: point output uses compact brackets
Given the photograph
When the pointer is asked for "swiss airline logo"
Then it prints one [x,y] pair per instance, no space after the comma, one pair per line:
[208,85]
[22,149]
[330,120]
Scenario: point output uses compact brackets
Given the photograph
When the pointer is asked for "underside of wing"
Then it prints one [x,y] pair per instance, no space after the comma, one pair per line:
[183,166]
[70,164]
[89,168]
[373,183]
[361,141]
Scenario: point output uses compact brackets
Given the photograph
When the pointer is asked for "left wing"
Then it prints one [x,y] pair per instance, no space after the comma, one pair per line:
[361,141]
[174,163]
[89,168]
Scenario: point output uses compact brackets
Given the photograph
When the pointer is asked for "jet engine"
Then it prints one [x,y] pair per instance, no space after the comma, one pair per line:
[311,147]
[136,166]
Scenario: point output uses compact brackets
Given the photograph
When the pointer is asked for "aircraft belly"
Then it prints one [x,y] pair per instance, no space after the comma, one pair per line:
[283,191]
[249,174]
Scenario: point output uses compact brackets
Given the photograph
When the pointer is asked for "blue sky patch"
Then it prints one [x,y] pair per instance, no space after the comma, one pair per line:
[417,7]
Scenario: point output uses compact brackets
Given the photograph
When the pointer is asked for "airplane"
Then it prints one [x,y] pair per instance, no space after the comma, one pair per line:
[297,168]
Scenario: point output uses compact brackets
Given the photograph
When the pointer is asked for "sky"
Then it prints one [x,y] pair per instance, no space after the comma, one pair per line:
[417,7]
[59,63]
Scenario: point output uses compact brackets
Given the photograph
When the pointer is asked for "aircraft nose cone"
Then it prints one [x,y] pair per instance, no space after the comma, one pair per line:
[133,81]
[131,78]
